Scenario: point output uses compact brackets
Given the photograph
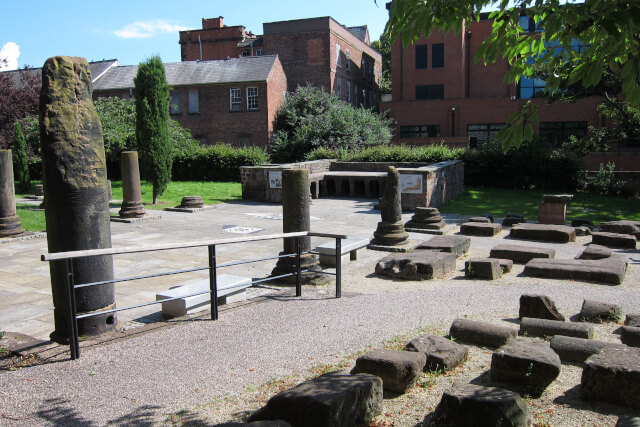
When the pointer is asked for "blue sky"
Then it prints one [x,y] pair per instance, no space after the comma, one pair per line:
[134,30]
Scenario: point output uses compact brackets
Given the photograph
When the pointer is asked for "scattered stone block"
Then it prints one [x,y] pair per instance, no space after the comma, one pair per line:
[277,423]
[525,363]
[481,333]
[539,307]
[595,252]
[544,232]
[457,245]
[482,219]
[625,421]
[621,227]
[506,265]
[630,336]
[482,268]
[632,320]
[441,352]
[613,376]
[544,327]
[480,229]
[614,240]
[572,349]
[596,311]
[580,222]
[489,216]
[583,231]
[420,265]
[513,219]
[191,202]
[399,370]
[478,406]
[333,399]
[553,209]
[521,254]
[609,270]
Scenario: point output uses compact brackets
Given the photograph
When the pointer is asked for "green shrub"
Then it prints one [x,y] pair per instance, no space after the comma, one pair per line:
[603,182]
[21,159]
[390,153]
[220,162]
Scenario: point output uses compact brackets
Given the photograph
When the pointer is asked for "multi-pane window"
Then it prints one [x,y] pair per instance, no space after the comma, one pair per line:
[482,133]
[423,131]
[176,107]
[252,98]
[338,56]
[347,58]
[421,56]
[430,92]
[259,52]
[235,99]
[348,91]
[194,105]
[531,87]
[558,132]
[529,25]
[437,55]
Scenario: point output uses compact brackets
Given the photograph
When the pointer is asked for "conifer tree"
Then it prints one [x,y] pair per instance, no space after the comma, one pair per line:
[21,159]
[152,98]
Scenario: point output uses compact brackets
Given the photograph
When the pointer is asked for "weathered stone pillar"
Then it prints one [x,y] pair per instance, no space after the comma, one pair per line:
[9,222]
[131,194]
[296,216]
[390,231]
[77,208]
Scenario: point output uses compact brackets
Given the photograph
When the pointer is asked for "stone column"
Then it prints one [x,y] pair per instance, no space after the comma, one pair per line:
[296,216]
[390,231]
[77,208]
[131,194]
[10,225]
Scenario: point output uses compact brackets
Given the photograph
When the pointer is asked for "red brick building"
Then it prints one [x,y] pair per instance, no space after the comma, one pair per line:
[319,51]
[232,101]
[438,92]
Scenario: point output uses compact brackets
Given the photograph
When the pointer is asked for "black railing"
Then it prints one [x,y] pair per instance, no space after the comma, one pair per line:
[68,257]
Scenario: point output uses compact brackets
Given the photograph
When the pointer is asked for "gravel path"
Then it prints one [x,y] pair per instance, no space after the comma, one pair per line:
[197,365]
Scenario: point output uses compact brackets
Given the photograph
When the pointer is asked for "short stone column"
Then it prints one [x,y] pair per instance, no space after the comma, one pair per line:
[296,216]
[390,231]
[553,209]
[10,225]
[77,209]
[131,194]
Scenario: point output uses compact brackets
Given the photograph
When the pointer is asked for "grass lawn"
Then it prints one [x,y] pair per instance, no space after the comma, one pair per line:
[32,219]
[500,202]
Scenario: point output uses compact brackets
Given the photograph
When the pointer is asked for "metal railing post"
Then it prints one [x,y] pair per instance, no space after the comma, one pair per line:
[299,267]
[74,345]
[213,282]
[338,267]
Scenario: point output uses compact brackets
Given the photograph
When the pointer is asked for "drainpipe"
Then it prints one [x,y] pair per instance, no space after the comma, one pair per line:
[453,121]
[200,43]
[468,63]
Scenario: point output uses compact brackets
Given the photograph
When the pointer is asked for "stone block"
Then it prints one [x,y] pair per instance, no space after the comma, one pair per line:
[596,311]
[581,222]
[480,229]
[457,245]
[608,271]
[513,219]
[621,227]
[441,352]
[632,320]
[552,213]
[419,265]
[544,328]
[349,248]
[583,231]
[481,333]
[614,240]
[595,252]
[625,421]
[613,376]
[525,363]
[521,254]
[478,406]
[544,232]
[630,336]
[538,307]
[483,268]
[482,219]
[572,349]
[399,370]
[506,265]
[335,399]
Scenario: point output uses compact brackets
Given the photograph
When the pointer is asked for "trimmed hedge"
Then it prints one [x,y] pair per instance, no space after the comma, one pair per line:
[390,153]
[220,162]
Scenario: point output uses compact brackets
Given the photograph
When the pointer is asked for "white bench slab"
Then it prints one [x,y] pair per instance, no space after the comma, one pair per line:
[350,248]
[230,289]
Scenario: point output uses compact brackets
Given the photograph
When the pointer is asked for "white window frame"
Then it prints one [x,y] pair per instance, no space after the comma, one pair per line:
[252,98]
[338,56]
[235,99]
[194,103]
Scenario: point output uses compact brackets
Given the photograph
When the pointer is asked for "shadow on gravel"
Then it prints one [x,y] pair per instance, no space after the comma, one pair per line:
[484,379]
[573,399]
[59,412]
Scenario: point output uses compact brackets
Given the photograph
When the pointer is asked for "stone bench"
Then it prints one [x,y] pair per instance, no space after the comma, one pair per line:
[230,289]
[609,270]
[614,240]
[480,229]
[350,248]
[521,254]
[543,232]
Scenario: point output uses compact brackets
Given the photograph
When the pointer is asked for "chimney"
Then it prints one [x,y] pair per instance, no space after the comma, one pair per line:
[212,23]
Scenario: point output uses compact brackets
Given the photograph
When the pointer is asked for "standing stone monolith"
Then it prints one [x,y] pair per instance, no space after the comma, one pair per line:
[296,216]
[77,208]
[390,231]
[131,194]
[10,225]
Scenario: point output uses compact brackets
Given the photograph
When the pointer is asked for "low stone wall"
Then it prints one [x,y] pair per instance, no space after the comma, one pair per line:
[422,184]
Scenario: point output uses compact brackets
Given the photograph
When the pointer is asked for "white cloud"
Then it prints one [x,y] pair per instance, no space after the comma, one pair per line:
[9,55]
[140,30]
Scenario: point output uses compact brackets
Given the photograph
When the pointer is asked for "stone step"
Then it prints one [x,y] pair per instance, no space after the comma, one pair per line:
[543,232]
[544,327]
[399,370]
[521,254]
[572,349]
[442,353]
[613,376]
[481,333]
[480,229]
[614,240]
[609,270]
[525,363]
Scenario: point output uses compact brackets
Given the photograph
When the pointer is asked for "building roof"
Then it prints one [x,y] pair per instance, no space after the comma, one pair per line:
[360,32]
[187,73]
[97,69]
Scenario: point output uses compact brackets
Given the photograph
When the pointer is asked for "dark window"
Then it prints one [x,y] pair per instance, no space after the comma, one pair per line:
[176,107]
[421,56]
[424,131]
[531,87]
[430,92]
[482,133]
[437,55]
[558,132]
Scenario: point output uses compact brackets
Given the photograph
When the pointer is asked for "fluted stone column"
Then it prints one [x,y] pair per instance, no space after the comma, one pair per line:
[77,208]
[131,193]
[390,231]
[10,225]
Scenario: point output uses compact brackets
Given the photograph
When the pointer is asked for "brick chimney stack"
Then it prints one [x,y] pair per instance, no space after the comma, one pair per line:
[211,23]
